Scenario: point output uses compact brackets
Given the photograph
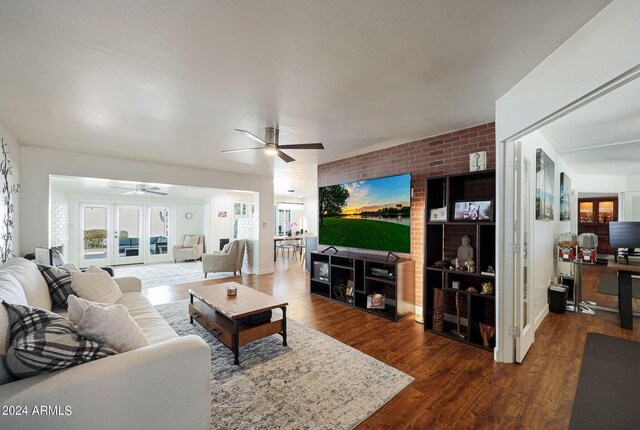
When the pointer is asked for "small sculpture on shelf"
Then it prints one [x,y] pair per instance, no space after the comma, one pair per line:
[472,289]
[442,264]
[471,266]
[487,288]
[464,257]
[487,331]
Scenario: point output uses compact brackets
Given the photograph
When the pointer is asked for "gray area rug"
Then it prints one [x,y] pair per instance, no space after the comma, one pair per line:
[155,275]
[609,285]
[316,382]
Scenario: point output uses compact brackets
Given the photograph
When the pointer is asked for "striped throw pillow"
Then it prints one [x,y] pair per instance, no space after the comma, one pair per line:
[59,283]
[43,342]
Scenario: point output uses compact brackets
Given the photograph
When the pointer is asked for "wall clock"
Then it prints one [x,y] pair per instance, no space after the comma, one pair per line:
[188,215]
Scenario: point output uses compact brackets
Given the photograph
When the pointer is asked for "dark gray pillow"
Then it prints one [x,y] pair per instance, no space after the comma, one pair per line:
[41,342]
[59,283]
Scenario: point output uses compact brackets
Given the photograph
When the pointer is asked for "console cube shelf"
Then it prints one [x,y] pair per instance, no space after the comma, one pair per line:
[332,275]
[441,242]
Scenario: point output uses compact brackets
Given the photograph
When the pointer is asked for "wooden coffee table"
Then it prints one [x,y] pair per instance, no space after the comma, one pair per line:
[221,315]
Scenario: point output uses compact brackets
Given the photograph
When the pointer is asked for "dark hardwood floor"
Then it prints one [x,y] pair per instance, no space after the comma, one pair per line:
[456,386]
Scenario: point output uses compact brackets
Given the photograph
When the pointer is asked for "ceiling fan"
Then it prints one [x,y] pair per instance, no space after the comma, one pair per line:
[142,189]
[271,145]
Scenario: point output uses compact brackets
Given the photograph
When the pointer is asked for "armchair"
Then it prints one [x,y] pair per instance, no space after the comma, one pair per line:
[228,260]
[192,248]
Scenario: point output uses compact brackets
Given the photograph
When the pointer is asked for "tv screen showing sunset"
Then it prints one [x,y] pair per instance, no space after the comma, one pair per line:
[370,214]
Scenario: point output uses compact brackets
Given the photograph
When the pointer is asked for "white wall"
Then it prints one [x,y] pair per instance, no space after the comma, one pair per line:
[60,221]
[603,49]
[222,227]
[37,164]
[311,215]
[545,233]
[198,224]
[13,150]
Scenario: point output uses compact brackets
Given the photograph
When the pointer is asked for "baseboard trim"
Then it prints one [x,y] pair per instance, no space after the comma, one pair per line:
[541,316]
[266,271]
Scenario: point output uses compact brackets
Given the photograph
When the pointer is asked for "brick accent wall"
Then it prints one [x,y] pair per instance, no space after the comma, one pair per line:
[444,154]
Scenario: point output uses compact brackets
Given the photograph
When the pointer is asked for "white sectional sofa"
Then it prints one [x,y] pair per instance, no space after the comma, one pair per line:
[165,385]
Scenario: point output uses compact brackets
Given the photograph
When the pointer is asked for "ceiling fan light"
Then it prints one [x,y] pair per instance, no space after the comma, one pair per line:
[271,151]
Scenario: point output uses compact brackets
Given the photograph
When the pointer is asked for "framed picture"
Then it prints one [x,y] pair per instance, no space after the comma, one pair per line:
[478,210]
[321,270]
[455,285]
[478,161]
[438,215]
[565,197]
[222,214]
[375,301]
[545,171]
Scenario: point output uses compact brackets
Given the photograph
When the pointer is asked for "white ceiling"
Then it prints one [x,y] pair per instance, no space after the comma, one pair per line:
[602,137]
[168,81]
[106,187]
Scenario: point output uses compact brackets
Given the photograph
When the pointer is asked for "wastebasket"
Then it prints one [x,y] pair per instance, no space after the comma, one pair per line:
[558,298]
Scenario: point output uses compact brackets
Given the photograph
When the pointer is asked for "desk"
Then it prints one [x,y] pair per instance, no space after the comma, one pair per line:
[625,292]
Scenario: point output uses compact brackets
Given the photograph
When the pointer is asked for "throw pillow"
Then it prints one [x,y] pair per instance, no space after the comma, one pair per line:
[190,241]
[59,283]
[57,259]
[76,308]
[226,248]
[96,287]
[43,342]
[112,325]
[94,269]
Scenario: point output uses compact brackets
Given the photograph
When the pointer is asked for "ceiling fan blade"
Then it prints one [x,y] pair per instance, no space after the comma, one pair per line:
[251,136]
[302,146]
[160,193]
[241,150]
[285,157]
[130,192]
[120,188]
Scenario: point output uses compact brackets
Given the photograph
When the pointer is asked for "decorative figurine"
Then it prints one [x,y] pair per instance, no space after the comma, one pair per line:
[465,251]
[487,331]
[472,289]
[471,266]
[487,288]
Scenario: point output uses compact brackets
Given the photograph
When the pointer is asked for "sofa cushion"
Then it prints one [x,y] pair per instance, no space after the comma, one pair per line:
[96,287]
[59,283]
[43,342]
[11,292]
[106,323]
[154,327]
[34,286]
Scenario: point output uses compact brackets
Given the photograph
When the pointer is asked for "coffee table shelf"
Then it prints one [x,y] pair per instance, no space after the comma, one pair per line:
[222,315]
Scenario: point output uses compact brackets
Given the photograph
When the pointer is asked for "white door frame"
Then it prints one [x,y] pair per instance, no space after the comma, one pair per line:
[524,328]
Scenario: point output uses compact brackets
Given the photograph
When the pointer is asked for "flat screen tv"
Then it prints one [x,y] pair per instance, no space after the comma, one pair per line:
[371,214]
[624,234]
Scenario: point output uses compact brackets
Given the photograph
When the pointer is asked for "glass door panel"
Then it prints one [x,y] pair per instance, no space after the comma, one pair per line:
[128,234]
[158,233]
[605,212]
[94,238]
[586,212]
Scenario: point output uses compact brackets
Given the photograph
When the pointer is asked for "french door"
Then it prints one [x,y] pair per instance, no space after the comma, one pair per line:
[523,326]
[111,234]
